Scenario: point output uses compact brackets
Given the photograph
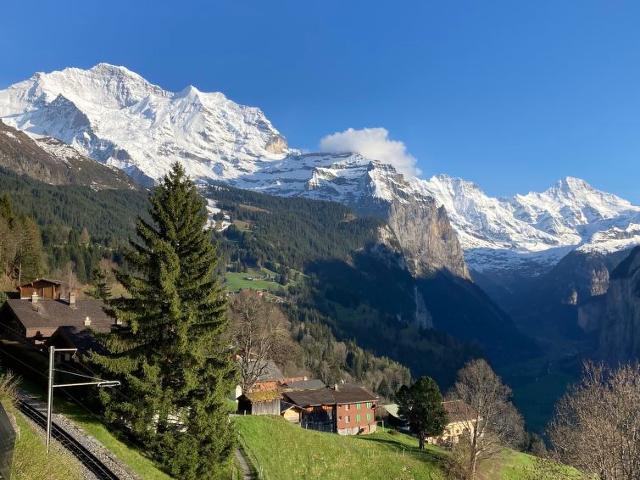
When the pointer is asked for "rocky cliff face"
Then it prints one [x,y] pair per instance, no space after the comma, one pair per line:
[428,241]
[620,315]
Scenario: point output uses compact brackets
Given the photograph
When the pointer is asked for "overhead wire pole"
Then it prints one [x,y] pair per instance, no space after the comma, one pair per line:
[96,381]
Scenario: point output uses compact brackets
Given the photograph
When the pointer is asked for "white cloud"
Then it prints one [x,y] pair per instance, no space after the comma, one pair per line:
[373,143]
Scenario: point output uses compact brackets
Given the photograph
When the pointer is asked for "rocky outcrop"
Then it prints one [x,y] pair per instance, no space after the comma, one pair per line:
[578,277]
[427,240]
[51,161]
[619,339]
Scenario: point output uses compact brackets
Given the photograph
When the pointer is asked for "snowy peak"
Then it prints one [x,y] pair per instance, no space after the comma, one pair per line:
[118,118]
[536,227]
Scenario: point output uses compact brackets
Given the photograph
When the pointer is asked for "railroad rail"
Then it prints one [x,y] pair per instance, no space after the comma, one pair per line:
[88,459]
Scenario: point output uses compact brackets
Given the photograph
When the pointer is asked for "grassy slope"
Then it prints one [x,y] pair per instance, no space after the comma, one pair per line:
[283,451]
[235,281]
[30,460]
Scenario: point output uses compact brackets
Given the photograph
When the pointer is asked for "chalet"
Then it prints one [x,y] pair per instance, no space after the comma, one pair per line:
[45,288]
[44,312]
[344,409]
[461,421]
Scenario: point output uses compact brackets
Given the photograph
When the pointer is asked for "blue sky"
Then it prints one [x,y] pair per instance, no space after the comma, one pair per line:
[510,94]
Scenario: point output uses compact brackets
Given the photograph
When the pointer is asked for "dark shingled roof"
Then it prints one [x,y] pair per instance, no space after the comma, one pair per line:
[329,396]
[51,314]
[271,372]
[47,280]
[311,384]
[76,337]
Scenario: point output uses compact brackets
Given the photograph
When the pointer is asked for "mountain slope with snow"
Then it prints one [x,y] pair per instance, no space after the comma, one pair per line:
[117,117]
[537,229]
[120,119]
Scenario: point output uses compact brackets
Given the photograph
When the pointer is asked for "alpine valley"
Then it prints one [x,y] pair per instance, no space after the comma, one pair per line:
[429,272]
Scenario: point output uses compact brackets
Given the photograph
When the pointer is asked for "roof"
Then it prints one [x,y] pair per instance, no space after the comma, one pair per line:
[329,396]
[75,337]
[271,372]
[311,384]
[263,396]
[47,280]
[458,411]
[392,409]
[48,314]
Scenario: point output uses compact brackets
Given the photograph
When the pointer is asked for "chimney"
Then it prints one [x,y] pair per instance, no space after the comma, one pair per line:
[72,298]
[34,297]
[87,321]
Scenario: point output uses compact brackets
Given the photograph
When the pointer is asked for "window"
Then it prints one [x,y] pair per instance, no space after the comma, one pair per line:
[368,404]
[357,406]
[346,419]
[358,418]
[346,407]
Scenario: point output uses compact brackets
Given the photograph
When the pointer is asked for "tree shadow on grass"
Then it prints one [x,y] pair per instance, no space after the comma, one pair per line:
[399,447]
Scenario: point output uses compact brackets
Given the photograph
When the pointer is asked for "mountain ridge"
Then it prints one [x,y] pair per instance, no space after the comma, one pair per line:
[118,118]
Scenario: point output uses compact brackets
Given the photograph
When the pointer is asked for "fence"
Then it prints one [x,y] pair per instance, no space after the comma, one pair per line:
[7,444]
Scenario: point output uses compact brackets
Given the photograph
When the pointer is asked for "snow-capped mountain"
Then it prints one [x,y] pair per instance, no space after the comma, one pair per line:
[120,119]
[537,229]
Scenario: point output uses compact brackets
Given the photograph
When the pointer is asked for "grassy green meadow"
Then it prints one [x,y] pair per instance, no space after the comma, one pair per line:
[281,450]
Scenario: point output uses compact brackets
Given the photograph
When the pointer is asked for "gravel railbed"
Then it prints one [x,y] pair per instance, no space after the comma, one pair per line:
[95,447]
[87,441]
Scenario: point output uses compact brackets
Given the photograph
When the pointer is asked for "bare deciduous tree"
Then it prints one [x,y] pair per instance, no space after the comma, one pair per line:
[596,427]
[260,333]
[491,421]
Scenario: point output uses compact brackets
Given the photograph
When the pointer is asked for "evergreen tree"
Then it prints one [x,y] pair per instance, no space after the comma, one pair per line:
[100,287]
[175,369]
[84,238]
[29,261]
[421,405]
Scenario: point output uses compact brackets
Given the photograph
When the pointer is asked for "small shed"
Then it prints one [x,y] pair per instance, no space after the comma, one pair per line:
[264,402]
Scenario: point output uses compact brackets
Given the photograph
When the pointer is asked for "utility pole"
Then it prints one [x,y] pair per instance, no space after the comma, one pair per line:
[94,381]
[52,352]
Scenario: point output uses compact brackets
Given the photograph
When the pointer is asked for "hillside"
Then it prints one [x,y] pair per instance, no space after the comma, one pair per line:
[355,279]
[31,460]
[109,215]
[53,162]
[281,450]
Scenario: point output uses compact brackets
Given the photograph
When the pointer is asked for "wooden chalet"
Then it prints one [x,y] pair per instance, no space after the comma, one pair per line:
[44,288]
[344,409]
[41,312]
[461,420]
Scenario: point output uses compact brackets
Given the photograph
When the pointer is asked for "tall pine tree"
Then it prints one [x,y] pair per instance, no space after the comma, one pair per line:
[175,369]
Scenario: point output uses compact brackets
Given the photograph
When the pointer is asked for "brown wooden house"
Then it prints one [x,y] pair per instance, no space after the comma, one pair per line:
[44,288]
[345,409]
[41,312]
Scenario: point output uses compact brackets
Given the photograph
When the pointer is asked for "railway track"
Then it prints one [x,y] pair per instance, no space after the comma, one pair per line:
[88,459]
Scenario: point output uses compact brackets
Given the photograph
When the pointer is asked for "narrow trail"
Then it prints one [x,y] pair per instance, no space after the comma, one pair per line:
[245,466]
